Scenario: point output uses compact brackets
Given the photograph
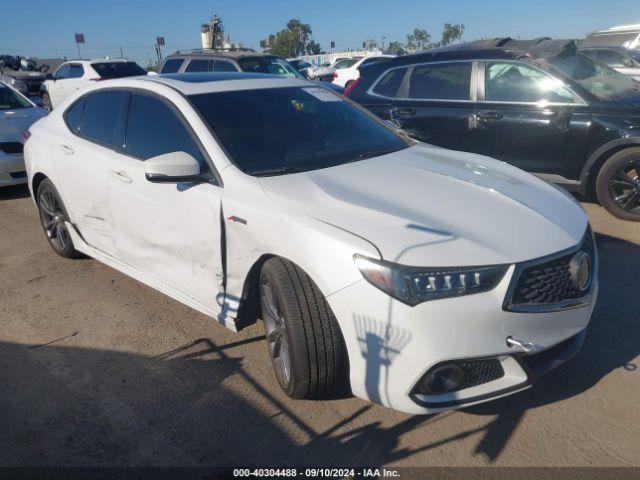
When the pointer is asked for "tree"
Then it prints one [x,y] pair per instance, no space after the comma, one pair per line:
[418,39]
[395,48]
[293,41]
[451,33]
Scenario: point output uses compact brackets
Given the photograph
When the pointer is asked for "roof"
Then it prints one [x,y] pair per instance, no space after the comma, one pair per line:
[219,53]
[196,83]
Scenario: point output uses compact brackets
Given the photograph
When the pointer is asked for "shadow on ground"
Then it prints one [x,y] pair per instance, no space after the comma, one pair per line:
[13,192]
[77,406]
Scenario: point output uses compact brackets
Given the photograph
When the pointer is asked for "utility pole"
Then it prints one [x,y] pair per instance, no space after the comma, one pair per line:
[159,44]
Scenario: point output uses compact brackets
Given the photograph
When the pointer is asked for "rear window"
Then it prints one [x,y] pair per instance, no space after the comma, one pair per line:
[118,69]
[390,82]
[172,66]
[441,81]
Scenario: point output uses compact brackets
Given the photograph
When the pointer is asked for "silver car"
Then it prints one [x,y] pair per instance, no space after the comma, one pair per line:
[17,113]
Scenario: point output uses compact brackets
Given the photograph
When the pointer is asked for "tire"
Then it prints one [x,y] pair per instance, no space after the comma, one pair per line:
[618,184]
[53,214]
[301,330]
[46,102]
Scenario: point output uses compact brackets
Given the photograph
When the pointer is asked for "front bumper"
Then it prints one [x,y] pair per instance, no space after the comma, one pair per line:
[391,345]
[12,169]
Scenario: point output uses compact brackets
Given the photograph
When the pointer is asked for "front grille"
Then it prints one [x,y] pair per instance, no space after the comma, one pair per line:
[11,147]
[477,372]
[18,174]
[550,281]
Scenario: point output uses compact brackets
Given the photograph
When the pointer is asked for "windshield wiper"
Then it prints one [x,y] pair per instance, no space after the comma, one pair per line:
[268,172]
[372,154]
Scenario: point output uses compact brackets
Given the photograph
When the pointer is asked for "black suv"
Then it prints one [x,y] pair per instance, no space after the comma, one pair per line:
[540,105]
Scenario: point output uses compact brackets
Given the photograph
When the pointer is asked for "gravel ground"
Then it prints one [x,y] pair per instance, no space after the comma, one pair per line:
[98,369]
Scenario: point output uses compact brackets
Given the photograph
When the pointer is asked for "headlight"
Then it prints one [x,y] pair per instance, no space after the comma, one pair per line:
[414,285]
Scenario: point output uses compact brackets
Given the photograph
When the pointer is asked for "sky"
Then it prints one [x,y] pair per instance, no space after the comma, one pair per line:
[134,24]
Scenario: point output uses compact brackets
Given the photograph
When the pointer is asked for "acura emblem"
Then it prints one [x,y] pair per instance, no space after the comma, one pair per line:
[580,268]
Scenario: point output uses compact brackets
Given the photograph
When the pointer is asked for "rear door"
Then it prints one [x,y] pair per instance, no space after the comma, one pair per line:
[435,103]
[530,119]
[169,231]
[82,157]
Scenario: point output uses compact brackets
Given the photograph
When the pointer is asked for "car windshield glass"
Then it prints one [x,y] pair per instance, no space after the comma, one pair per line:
[601,81]
[118,69]
[271,65]
[283,130]
[10,100]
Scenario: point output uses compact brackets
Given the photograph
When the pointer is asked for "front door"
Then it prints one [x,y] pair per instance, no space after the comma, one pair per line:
[435,104]
[531,120]
[168,231]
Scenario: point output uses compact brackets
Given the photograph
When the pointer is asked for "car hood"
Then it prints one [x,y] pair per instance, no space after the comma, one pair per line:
[430,206]
[15,122]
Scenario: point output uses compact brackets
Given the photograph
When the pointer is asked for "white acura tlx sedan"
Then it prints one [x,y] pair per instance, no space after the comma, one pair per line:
[423,279]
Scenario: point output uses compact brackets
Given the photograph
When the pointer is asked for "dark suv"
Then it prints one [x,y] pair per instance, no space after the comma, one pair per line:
[539,105]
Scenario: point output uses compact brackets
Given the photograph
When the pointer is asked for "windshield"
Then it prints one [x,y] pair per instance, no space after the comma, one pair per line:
[601,81]
[10,100]
[284,130]
[271,65]
[108,70]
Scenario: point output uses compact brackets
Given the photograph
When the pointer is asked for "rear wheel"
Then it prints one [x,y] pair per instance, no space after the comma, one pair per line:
[46,102]
[618,184]
[305,344]
[53,216]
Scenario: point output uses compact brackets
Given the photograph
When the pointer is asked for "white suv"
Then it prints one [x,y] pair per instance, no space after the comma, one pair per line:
[71,76]
[428,279]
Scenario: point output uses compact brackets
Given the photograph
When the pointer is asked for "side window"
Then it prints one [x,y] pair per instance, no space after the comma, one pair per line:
[76,71]
[154,128]
[222,66]
[62,72]
[390,82]
[517,82]
[73,115]
[198,66]
[172,65]
[441,81]
[100,116]
[611,58]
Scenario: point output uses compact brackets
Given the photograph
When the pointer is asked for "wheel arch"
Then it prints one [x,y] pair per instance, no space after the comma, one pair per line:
[35,184]
[598,157]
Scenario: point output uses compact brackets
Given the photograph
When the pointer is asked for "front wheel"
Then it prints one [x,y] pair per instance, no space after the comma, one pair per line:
[305,344]
[618,184]
[53,216]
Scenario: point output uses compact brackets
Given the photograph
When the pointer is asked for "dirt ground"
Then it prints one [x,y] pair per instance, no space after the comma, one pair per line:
[98,369]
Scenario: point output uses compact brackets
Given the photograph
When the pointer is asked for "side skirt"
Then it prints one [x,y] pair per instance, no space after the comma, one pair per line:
[142,277]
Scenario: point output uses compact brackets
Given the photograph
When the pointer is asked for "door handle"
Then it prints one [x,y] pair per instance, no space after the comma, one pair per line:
[405,112]
[67,149]
[122,176]
[489,115]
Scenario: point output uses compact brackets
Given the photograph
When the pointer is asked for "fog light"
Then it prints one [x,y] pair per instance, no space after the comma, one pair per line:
[443,379]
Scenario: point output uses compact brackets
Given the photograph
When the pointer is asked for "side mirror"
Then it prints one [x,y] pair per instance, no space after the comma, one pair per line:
[49,76]
[172,167]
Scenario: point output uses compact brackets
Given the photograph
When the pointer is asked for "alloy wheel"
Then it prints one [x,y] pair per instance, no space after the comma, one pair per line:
[276,330]
[53,220]
[624,187]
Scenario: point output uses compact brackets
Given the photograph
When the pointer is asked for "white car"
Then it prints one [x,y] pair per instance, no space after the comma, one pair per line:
[427,279]
[73,75]
[349,73]
[17,113]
